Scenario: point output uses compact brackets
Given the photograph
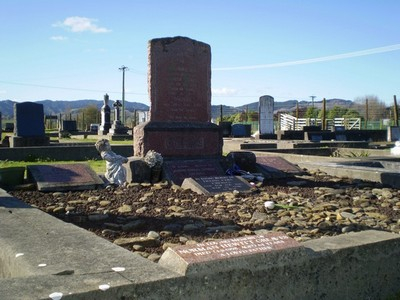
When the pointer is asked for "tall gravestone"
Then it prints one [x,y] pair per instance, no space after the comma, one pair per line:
[1,126]
[117,128]
[266,116]
[105,117]
[29,125]
[180,96]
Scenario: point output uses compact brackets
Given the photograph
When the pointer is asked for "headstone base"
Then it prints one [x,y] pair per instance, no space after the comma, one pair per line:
[18,141]
[178,139]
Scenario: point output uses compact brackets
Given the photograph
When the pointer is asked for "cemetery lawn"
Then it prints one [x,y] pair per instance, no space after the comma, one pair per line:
[97,165]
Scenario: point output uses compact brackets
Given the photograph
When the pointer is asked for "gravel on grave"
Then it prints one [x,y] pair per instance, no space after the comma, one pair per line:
[147,218]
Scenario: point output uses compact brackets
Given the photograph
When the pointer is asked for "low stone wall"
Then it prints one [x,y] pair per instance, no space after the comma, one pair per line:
[351,135]
[60,152]
[41,255]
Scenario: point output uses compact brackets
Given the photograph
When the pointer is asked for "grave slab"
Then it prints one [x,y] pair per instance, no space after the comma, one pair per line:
[216,184]
[277,166]
[224,255]
[176,171]
[64,177]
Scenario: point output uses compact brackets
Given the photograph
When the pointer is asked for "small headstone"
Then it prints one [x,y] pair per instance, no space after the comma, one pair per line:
[241,130]
[216,184]
[137,170]
[236,253]
[64,177]
[69,125]
[177,170]
[245,160]
[29,125]
[266,115]
[393,133]
[277,166]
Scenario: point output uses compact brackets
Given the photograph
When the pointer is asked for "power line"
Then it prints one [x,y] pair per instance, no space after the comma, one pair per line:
[66,88]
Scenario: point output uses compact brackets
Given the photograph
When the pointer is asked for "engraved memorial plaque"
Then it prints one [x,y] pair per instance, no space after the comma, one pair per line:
[216,184]
[222,255]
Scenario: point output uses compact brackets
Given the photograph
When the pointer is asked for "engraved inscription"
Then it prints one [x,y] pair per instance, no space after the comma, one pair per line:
[184,143]
[216,184]
[235,247]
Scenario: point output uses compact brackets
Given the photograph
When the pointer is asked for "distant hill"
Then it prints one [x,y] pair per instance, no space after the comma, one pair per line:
[290,105]
[55,107]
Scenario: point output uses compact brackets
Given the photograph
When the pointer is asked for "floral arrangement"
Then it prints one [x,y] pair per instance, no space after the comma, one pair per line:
[153,158]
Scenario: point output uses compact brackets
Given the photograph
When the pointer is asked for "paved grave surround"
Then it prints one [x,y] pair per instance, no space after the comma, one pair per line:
[64,177]
[216,184]
[180,96]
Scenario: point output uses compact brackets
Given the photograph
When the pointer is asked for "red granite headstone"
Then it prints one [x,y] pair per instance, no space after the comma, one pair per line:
[180,97]
[180,80]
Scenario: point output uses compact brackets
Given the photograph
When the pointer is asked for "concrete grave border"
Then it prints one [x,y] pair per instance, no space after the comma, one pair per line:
[79,264]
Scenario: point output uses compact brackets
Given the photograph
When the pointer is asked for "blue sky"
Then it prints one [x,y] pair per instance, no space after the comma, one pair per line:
[289,49]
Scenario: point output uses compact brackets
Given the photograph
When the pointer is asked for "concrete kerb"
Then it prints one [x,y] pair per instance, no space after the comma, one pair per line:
[60,257]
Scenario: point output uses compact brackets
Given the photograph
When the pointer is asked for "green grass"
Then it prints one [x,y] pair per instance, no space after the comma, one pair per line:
[99,166]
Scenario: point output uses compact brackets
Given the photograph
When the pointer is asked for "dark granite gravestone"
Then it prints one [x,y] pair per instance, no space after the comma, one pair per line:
[28,125]
[216,184]
[222,255]
[68,125]
[64,177]
[180,97]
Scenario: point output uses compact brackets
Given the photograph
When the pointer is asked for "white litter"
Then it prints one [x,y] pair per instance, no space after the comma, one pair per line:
[56,296]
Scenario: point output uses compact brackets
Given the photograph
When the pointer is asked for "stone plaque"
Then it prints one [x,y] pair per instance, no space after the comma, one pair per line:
[180,80]
[266,113]
[177,170]
[219,256]
[64,177]
[216,184]
[276,163]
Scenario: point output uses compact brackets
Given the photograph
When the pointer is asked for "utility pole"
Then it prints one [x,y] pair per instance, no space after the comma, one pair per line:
[123,68]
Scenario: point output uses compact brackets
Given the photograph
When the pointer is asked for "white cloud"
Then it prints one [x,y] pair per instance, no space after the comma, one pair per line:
[223,91]
[58,38]
[80,24]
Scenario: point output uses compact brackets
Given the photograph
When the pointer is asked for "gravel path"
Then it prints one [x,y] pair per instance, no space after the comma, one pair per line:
[149,218]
